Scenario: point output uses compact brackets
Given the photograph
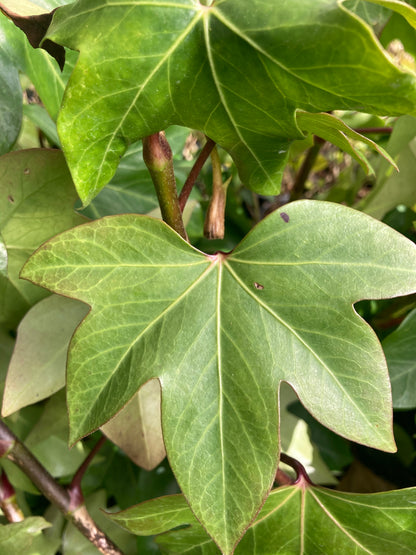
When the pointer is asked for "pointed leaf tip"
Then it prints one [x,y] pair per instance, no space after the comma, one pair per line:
[220,365]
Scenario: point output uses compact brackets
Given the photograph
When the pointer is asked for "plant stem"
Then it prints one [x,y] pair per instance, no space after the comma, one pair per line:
[375,130]
[74,490]
[214,226]
[8,503]
[307,165]
[301,473]
[193,174]
[14,450]
[157,156]
[283,479]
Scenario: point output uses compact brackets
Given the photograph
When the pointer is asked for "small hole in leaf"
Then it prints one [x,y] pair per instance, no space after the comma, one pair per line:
[26,171]
[10,198]
[258,286]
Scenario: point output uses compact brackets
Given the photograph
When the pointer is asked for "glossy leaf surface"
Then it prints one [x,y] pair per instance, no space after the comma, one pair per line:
[279,307]
[298,519]
[400,350]
[238,74]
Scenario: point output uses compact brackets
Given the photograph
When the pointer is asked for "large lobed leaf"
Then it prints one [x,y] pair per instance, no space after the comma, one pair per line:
[237,70]
[221,332]
[298,519]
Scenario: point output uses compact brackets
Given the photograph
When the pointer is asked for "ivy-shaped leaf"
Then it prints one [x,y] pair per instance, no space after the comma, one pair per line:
[294,519]
[237,70]
[220,332]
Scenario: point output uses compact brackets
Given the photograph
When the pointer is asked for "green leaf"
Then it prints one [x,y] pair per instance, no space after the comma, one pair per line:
[295,439]
[37,367]
[48,440]
[36,202]
[10,103]
[394,188]
[295,519]
[37,64]
[399,7]
[221,332]
[400,350]
[237,74]
[137,428]
[39,116]
[26,537]
[332,129]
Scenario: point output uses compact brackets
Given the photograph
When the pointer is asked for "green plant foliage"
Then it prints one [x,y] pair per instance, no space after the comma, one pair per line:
[38,65]
[128,84]
[37,367]
[36,202]
[48,440]
[337,132]
[26,537]
[10,103]
[74,543]
[295,519]
[137,427]
[394,188]
[131,190]
[400,350]
[251,330]
[230,356]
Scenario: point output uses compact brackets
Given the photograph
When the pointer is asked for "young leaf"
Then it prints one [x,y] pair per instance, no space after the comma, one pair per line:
[236,70]
[220,332]
[332,129]
[400,350]
[294,519]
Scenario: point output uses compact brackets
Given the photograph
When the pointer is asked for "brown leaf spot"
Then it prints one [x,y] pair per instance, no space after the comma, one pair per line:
[284,216]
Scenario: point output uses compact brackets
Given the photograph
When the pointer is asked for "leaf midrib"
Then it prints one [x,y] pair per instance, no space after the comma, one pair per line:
[175,302]
[227,23]
[302,341]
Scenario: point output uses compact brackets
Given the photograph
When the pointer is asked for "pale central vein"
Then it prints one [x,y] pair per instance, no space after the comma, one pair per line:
[300,339]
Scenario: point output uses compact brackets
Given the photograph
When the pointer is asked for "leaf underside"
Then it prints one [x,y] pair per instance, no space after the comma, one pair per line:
[221,332]
[237,74]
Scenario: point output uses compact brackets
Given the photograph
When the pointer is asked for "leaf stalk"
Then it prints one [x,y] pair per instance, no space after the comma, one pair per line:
[157,156]
[195,171]
[214,226]
[20,455]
